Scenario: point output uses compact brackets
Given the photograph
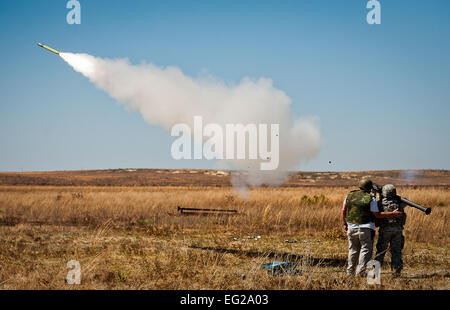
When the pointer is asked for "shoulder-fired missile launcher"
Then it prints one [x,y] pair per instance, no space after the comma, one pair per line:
[378,189]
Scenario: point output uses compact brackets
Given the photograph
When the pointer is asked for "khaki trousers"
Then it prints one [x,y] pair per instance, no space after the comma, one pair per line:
[360,246]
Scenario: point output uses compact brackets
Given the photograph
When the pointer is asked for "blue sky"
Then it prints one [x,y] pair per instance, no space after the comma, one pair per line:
[381,92]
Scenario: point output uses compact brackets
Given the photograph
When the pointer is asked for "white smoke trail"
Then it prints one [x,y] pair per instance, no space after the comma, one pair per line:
[165,97]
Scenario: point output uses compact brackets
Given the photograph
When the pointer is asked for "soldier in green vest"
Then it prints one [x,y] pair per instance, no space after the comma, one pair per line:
[358,213]
[390,229]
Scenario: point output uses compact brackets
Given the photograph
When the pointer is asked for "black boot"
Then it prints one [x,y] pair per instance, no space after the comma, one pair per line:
[397,273]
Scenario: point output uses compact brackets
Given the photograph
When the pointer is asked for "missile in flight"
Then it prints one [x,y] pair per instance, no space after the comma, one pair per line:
[49,48]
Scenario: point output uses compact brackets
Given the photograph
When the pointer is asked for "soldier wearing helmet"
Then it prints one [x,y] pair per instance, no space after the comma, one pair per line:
[391,228]
[358,213]
[358,222]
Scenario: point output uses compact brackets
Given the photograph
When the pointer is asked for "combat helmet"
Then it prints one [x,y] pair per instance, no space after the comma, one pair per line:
[389,191]
[365,184]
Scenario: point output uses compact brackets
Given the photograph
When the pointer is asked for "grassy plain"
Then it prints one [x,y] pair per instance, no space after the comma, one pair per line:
[131,237]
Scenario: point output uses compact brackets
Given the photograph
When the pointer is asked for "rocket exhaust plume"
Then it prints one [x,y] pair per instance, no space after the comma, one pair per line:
[166,96]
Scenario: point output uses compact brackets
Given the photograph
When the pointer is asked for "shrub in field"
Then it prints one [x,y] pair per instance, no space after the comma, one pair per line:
[314,200]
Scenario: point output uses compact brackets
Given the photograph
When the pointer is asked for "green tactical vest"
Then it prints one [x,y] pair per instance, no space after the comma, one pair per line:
[358,207]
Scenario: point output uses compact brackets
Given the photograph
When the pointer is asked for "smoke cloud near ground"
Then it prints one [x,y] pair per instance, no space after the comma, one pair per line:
[166,96]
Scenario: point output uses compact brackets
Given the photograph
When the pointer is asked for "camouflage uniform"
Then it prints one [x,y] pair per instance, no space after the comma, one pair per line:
[360,230]
[390,229]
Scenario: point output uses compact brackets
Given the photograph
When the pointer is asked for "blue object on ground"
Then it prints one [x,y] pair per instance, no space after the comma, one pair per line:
[281,268]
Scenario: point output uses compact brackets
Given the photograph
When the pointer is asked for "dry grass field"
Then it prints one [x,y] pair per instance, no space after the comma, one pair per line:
[133,237]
